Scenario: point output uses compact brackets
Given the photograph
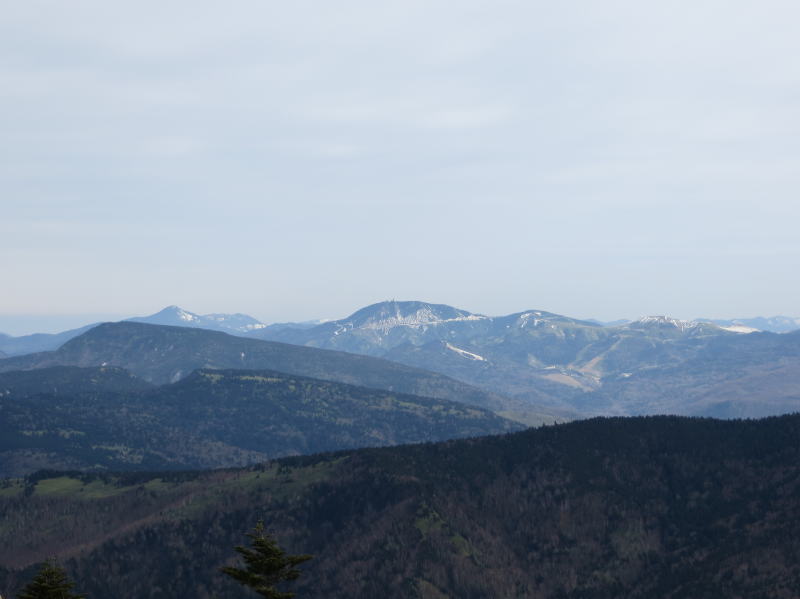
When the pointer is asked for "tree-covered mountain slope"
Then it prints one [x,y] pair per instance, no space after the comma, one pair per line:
[69,380]
[652,507]
[212,418]
[160,354]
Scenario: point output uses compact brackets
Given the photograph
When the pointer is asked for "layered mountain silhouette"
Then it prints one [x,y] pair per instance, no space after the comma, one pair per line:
[235,324]
[773,324]
[161,354]
[28,344]
[245,325]
[227,323]
[537,366]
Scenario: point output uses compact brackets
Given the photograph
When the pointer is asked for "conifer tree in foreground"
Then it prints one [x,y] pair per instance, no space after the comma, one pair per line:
[265,565]
[50,582]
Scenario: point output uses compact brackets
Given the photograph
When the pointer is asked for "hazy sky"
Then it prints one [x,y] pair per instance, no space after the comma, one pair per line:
[300,160]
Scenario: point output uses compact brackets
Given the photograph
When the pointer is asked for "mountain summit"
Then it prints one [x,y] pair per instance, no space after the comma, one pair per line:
[385,316]
[178,317]
[668,322]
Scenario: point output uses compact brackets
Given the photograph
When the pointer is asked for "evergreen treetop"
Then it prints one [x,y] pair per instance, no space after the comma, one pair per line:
[50,582]
[265,565]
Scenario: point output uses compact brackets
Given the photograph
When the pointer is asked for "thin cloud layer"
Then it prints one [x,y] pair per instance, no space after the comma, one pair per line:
[296,161]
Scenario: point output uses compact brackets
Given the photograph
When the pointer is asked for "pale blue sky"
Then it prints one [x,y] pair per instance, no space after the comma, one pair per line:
[300,160]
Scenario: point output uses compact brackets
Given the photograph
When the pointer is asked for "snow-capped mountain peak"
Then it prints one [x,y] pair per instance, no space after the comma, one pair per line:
[171,315]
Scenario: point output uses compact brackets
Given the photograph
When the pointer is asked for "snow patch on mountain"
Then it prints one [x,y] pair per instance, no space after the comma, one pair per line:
[682,325]
[738,328]
[184,315]
[772,324]
[464,353]
[527,317]
[418,318]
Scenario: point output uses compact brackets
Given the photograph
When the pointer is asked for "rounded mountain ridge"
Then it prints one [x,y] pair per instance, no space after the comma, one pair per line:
[405,313]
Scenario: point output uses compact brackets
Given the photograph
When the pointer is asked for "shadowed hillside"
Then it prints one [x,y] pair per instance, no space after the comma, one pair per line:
[642,508]
[98,418]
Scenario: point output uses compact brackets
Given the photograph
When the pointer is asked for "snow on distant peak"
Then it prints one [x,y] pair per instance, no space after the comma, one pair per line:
[681,325]
[464,353]
[738,328]
[422,317]
[174,312]
[177,316]
[187,316]
[527,317]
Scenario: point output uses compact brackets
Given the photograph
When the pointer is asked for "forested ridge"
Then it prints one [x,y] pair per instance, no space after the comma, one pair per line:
[105,419]
[162,354]
[640,507]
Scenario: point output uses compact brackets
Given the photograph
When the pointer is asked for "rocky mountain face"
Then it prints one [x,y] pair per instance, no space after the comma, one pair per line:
[604,508]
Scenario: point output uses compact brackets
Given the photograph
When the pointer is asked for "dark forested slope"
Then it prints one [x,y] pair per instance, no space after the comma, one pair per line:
[642,508]
[104,418]
[69,380]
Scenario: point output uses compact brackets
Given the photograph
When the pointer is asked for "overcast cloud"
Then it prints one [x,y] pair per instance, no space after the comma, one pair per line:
[300,160]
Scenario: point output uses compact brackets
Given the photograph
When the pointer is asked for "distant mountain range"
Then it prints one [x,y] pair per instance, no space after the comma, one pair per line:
[533,366]
[774,324]
[244,325]
[178,317]
[28,344]
[104,418]
[546,359]
[235,324]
